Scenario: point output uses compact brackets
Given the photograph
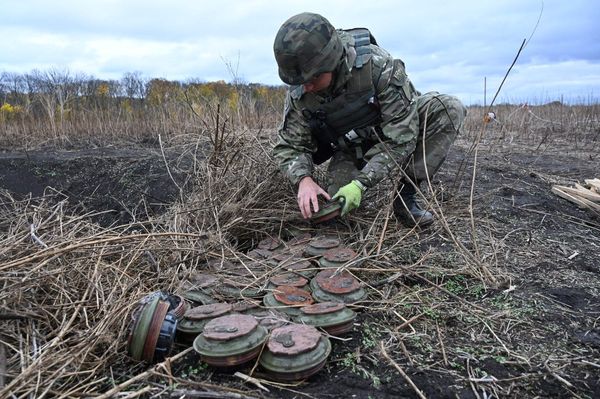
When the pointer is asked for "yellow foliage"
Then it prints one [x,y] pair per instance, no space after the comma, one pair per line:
[233,100]
[262,92]
[8,111]
[102,90]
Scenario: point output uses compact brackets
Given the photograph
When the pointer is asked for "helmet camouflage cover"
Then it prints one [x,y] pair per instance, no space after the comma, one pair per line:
[305,46]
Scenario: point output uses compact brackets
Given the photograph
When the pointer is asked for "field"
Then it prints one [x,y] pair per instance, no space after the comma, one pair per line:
[498,299]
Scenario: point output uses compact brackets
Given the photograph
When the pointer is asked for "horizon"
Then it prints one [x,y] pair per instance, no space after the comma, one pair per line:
[231,40]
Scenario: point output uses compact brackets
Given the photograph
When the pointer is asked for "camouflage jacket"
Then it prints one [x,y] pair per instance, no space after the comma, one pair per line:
[398,122]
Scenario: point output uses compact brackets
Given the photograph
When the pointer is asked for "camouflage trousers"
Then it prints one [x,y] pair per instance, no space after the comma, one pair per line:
[441,117]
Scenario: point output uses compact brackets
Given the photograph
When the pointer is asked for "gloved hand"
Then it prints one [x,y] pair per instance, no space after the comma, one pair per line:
[352,194]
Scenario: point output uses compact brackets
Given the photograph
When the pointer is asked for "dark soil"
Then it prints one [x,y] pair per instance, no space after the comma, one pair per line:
[546,340]
[119,185]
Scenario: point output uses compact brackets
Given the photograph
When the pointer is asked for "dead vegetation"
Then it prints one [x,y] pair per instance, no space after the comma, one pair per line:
[488,303]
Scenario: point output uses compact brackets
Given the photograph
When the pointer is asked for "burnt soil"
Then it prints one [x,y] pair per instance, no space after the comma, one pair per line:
[115,185]
[546,336]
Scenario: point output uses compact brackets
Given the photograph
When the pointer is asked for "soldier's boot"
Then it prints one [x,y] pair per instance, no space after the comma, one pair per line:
[407,209]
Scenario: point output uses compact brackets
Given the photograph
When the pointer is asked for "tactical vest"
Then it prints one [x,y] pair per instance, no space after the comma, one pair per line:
[357,106]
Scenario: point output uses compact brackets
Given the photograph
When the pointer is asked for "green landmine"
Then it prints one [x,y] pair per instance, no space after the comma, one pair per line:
[295,352]
[333,317]
[230,340]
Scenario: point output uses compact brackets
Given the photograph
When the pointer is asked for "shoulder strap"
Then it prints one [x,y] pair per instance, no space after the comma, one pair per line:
[362,41]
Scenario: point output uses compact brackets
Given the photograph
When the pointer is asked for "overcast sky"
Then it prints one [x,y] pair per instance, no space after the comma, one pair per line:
[447,45]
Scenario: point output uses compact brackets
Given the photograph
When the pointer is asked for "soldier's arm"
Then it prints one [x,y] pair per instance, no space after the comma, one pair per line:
[400,119]
[295,145]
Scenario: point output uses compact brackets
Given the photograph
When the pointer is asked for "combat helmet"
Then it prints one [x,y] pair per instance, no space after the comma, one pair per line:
[306,45]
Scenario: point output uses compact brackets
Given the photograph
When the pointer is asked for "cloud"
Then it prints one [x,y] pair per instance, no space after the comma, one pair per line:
[450,46]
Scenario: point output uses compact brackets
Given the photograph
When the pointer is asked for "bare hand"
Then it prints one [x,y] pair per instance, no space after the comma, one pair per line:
[308,192]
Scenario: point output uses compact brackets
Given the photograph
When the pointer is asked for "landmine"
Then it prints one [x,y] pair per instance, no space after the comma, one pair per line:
[328,211]
[152,329]
[288,299]
[337,257]
[270,244]
[319,245]
[268,318]
[290,279]
[199,289]
[333,317]
[291,263]
[295,352]
[230,340]
[195,319]
[329,286]
[241,281]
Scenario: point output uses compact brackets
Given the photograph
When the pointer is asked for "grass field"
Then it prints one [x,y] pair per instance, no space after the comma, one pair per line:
[498,299]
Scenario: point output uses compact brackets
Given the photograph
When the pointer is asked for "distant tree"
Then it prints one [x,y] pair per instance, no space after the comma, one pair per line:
[133,85]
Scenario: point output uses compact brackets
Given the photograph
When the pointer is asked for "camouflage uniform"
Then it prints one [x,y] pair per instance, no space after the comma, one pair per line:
[407,123]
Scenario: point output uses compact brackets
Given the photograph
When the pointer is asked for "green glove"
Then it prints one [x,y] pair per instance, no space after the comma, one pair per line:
[352,194]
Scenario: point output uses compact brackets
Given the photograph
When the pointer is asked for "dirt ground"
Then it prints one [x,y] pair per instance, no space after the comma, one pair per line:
[119,185]
[536,333]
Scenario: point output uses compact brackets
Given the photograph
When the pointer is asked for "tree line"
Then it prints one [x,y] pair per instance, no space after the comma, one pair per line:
[60,106]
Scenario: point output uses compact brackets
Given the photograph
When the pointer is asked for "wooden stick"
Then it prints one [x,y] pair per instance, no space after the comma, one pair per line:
[594,184]
[582,202]
[439,335]
[580,191]
[402,373]
[2,364]
[251,380]
[409,321]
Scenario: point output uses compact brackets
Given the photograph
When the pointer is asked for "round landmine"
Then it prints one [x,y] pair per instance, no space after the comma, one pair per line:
[202,281]
[295,352]
[285,257]
[291,262]
[250,268]
[270,318]
[195,319]
[288,299]
[299,240]
[270,244]
[300,266]
[140,327]
[333,317]
[199,288]
[241,288]
[245,306]
[289,279]
[177,305]
[327,286]
[327,212]
[319,245]
[337,257]
[259,254]
[218,265]
[230,340]
[166,338]
[198,298]
[153,329]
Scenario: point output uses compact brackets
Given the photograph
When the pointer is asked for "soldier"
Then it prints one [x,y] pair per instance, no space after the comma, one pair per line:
[350,102]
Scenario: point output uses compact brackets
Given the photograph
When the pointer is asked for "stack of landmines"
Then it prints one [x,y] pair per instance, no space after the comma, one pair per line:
[587,197]
[264,308]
